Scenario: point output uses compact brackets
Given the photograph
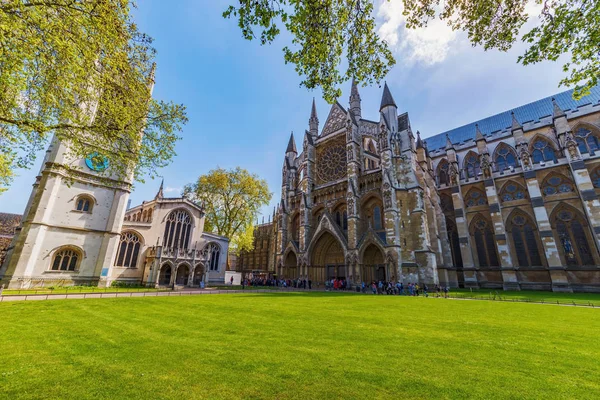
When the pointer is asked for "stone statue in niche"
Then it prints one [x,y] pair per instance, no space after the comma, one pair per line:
[525,157]
[453,174]
[387,198]
[486,167]
[571,145]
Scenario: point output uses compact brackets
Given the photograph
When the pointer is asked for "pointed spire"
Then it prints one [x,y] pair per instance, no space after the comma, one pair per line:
[159,194]
[419,141]
[556,110]
[313,110]
[291,148]
[387,99]
[515,124]
[449,144]
[478,134]
[355,100]
[313,121]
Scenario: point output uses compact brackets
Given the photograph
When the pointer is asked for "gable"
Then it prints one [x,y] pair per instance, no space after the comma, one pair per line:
[335,121]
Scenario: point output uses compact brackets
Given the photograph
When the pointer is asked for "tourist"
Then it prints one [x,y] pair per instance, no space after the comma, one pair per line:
[425,290]
[231,281]
[446,291]
[309,284]
[417,288]
[363,287]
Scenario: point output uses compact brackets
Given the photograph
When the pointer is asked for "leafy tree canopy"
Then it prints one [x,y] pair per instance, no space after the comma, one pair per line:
[329,33]
[82,71]
[232,200]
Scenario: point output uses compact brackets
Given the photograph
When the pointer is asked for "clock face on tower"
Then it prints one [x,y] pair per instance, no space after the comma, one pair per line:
[96,162]
[331,162]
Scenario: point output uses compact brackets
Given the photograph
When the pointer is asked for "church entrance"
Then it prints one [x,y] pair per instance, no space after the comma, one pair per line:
[183,273]
[374,267]
[164,279]
[290,270]
[327,260]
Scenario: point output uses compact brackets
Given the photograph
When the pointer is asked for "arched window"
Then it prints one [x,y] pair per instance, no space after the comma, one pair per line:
[542,150]
[485,242]
[178,230]
[573,242]
[588,142]
[555,184]
[595,176]
[214,252]
[505,157]
[442,172]
[454,243]
[512,191]
[129,250]
[345,221]
[471,165]
[523,232]
[84,204]
[66,259]
[475,197]
[377,221]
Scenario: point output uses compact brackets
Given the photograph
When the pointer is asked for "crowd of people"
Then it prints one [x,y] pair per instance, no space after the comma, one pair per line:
[375,287]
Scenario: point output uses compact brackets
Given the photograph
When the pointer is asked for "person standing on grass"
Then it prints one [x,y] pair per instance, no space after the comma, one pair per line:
[446,290]
[373,287]
[425,288]
[231,281]
[309,284]
[363,287]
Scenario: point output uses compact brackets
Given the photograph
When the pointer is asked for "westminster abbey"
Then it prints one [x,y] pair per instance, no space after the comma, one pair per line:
[510,201]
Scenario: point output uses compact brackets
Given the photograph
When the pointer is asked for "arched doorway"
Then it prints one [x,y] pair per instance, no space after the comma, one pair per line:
[164,278]
[290,269]
[183,274]
[374,267]
[328,261]
[198,275]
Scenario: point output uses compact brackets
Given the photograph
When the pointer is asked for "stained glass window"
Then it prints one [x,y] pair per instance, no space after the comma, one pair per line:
[129,250]
[454,243]
[505,157]
[512,191]
[443,177]
[178,230]
[525,241]
[573,240]
[471,165]
[595,176]
[587,141]
[475,197]
[485,242]
[377,225]
[556,184]
[542,151]
[65,260]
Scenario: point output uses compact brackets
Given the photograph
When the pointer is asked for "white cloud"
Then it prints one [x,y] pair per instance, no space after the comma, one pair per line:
[428,45]
[169,189]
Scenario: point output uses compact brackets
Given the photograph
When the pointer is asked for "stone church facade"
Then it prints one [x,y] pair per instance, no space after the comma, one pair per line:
[510,201]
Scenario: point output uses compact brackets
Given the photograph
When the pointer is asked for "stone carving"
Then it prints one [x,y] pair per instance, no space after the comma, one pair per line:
[387,198]
[350,205]
[486,167]
[331,162]
[335,121]
[453,172]
[525,157]
[383,142]
[350,153]
[572,148]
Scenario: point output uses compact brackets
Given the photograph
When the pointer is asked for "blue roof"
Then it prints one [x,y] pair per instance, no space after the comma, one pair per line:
[531,112]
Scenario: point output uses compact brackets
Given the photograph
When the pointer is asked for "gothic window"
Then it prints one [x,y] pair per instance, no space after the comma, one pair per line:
[178,230]
[129,250]
[345,221]
[542,151]
[331,162]
[447,204]
[84,204]
[512,191]
[442,174]
[214,252]
[595,176]
[454,243]
[524,240]
[555,184]
[475,197]
[66,259]
[587,141]
[570,228]
[471,165]
[485,242]
[377,221]
[505,157]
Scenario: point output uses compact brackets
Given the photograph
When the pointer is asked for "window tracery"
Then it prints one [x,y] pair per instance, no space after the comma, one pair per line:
[505,157]
[587,141]
[129,250]
[475,197]
[214,252]
[471,165]
[595,177]
[66,259]
[542,151]
[331,162]
[556,184]
[84,203]
[485,242]
[442,172]
[524,240]
[574,246]
[178,230]
[513,191]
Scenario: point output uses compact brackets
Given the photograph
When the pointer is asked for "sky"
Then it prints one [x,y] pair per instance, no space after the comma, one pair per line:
[243,101]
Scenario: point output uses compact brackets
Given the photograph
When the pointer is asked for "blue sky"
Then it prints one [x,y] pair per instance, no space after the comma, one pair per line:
[243,101]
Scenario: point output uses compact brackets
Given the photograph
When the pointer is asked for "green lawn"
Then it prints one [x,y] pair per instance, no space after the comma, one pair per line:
[297,345]
[77,289]
[530,295]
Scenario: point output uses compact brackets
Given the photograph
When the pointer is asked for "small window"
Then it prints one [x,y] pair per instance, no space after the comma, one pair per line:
[214,253]
[472,165]
[475,197]
[512,191]
[66,259]
[84,204]
[587,141]
[556,184]
[505,157]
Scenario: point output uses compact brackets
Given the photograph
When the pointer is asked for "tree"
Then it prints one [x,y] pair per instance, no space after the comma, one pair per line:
[81,70]
[324,30]
[231,200]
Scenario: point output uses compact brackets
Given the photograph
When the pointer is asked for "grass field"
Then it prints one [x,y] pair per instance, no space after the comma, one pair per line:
[297,345]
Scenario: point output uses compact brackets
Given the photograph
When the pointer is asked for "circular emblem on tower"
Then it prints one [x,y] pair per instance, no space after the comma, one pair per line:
[96,162]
